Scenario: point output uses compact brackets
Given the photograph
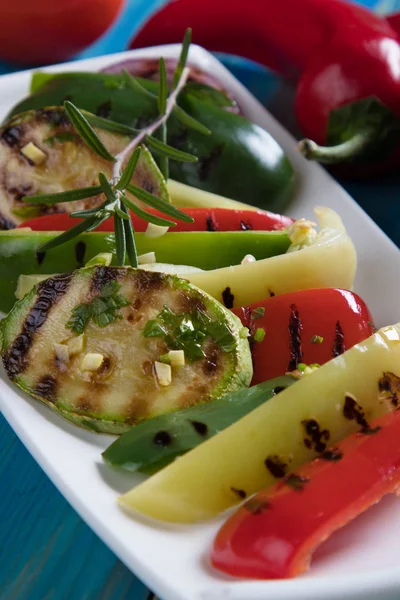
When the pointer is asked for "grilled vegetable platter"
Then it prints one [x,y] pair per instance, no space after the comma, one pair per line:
[155,288]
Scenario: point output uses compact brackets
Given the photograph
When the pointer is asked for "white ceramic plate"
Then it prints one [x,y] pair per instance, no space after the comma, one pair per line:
[360,562]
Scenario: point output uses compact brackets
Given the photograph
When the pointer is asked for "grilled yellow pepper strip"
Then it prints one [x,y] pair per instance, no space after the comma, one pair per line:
[328,261]
[293,427]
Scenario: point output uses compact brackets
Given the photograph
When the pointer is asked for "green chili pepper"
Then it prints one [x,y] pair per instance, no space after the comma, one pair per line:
[238,159]
[19,252]
[153,444]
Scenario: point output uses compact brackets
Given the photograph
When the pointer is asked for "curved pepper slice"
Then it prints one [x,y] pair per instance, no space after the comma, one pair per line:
[309,326]
[274,534]
[328,261]
[276,438]
[205,219]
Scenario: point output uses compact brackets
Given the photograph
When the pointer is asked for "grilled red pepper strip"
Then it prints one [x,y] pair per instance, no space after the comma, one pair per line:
[274,534]
[205,219]
[308,326]
[345,56]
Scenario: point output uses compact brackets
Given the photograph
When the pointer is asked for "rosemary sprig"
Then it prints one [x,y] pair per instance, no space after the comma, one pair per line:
[116,203]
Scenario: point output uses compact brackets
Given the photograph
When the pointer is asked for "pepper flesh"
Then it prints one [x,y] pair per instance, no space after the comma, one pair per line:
[205,219]
[19,251]
[309,326]
[340,52]
[285,432]
[299,513]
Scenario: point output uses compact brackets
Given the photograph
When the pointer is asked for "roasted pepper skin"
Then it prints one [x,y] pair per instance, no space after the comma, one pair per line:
[205,250]
[205,219]
[308,326]
[238,159]
[306,507]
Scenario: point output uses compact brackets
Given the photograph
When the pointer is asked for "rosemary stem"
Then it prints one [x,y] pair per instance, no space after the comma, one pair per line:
[150,129]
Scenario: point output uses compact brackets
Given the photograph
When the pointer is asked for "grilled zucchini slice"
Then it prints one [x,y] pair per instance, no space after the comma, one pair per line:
[94,346]
[40,152]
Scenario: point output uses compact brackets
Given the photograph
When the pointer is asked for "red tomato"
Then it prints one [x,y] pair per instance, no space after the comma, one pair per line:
[48,31]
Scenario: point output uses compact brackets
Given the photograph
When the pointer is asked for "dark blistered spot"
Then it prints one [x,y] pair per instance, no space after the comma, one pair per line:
[316,437]
[80,250]
[149,282]
[276,466]
[228,298]
[211,224]
[296,481]
[333,454]
[240,493]
[102,276]
[338,341]
[200,428]
[189,303]
[53,116]
[278,388]
[354,412]
[130,318]
[20,191]
[245,226]
[370,430]
[104,110]
[271,294]
[12,136]
[390,383]
[207,164]
[6,223]
[48,294]
[104,367]
[40,256]
[162,438]
[256,506]
[46,388]
[295,327]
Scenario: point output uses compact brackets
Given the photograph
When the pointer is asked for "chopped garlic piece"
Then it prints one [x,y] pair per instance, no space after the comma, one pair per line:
[155,231]
[302,232]
[62,352]
[91,361]
[148,258]
[76,344]
[176,358]
[102,259]
[249,258]
[33,153]
[163,373]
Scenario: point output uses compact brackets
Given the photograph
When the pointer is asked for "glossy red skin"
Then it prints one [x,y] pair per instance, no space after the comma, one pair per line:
[48,31]
[279,540]
[342,52]
[205,219]
[319,311]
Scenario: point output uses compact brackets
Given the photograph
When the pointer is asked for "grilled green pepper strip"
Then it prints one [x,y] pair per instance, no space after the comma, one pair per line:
[153,444]
[206,250]
[238,160]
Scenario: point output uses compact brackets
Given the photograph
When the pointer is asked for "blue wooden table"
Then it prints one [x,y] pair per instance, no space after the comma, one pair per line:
[46,551]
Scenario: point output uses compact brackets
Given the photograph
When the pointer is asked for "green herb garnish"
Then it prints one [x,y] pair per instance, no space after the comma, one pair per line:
[61,137]
[257,313]
[317,339]
[259,334]
[116,204]
[188,332]
[102,310]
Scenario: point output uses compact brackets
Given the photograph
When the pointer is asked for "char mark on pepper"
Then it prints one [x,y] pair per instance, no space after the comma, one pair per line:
[276,466]
[338,342]
[211,224]
[295,326]
[354,412]
[49,294]
[46,388]
[316,436]
[228,298]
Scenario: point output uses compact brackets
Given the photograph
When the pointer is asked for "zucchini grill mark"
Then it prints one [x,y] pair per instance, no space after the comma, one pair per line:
[50,292]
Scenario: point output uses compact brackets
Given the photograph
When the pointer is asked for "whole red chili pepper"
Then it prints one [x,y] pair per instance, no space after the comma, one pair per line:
[346,60]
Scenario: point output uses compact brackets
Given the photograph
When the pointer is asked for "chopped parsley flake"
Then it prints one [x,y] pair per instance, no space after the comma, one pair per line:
[258,313]
[259,335]
[102,309]
[317,339]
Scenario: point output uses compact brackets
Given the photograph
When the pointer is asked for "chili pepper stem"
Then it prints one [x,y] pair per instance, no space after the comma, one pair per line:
[352,148]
